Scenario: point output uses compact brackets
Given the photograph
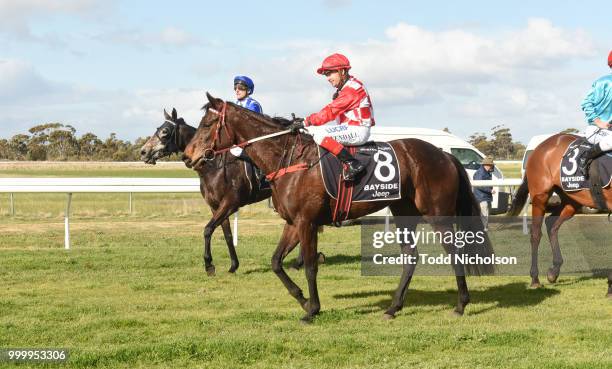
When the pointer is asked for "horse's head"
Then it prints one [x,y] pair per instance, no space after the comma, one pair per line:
[164,141]
[213,133]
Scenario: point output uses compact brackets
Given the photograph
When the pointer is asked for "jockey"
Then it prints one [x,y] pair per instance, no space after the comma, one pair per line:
[244,87]
[351,110]
[597,107]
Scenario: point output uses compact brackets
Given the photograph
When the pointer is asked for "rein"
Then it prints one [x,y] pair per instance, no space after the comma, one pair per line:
[211,152]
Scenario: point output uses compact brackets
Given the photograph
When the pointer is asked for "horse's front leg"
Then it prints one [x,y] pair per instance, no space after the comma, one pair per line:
[219,216]
[229,240]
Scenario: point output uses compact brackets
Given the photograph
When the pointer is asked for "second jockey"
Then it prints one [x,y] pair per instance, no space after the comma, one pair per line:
[244,88]
[597,107]
[351,110]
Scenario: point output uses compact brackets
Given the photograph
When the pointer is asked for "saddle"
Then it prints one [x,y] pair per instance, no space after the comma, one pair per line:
[599,173]
[380,181]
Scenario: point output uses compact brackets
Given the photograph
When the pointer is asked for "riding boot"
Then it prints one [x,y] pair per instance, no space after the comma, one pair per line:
[354,166]
[587,158]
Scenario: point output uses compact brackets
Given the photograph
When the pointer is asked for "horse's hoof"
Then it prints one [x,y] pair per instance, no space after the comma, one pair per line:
[609,295]
[536,285]
[321,258]
[552,276]
[307,319]
[210,270]
[233,269]
[457,313]
[388,316]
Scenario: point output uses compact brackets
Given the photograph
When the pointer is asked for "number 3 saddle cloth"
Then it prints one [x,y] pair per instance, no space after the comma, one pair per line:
[572,177]
[380,181]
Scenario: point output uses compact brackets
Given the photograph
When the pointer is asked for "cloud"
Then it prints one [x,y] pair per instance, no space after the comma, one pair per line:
[337,4]
[469,81]
[16,15]
[168,38]
[469,78]
[19,80]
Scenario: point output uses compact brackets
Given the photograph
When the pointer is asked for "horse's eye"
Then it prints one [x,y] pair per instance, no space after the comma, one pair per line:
[165,132]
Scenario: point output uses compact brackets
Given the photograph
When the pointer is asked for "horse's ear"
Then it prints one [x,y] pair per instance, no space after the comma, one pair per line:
[213,100]
[174,115]
[168,117]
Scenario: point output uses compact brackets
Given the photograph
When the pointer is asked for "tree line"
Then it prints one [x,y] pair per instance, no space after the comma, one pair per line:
[59,142]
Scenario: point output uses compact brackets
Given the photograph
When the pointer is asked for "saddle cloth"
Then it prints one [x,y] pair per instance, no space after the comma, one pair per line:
[572,177]
[380,181]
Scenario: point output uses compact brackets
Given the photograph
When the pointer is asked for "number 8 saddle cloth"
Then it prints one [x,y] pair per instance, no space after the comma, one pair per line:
[380,181]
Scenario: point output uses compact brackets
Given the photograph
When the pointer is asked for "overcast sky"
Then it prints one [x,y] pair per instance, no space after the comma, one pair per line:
[112,66]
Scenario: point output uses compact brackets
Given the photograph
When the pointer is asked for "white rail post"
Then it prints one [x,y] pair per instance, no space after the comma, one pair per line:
[525,228]
[387,217]
[67,224]
[235,232]
[130,203]
[12,204]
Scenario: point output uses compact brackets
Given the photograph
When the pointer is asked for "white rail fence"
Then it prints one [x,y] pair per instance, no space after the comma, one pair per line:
[70,186]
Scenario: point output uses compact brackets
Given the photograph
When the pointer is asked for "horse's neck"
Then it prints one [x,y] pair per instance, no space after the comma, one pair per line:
[274,153]
[185,133]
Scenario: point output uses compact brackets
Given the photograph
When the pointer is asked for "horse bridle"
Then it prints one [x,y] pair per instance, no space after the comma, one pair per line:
[210,152]
[173,137]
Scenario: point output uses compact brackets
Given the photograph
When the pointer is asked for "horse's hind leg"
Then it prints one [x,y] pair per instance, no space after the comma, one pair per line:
[609,285]
[458,268]
[538,208]
[408,223]
[553,223]
[229,240]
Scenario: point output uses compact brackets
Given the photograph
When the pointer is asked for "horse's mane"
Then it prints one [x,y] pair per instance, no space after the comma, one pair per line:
[279,121]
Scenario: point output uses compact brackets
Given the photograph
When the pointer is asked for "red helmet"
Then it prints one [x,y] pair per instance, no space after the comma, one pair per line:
[610,59]
[334,62]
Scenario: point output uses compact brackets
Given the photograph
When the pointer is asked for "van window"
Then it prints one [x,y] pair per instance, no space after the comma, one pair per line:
[468,157]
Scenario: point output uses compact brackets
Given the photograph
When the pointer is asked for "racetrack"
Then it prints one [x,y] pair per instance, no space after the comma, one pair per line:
[132,293]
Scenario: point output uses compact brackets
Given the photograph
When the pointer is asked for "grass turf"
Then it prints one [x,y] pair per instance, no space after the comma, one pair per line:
[132,294]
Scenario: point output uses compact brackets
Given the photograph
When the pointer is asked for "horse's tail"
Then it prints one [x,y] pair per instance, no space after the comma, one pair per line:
[469,220]
[520,198]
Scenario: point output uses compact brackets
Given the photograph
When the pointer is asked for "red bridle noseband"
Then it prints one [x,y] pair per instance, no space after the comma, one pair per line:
[210,152]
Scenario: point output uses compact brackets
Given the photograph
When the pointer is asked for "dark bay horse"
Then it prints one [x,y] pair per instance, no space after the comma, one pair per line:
[542,178]
[433,184]
[223,182]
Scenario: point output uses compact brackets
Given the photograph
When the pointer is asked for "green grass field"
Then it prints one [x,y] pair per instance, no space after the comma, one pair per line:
[132,293]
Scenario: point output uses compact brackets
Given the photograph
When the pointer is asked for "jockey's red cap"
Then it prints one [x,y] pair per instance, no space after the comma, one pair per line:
[334,62]
[610,59]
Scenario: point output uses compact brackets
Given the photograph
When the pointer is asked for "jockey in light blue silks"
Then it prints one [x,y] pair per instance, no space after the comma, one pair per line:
[597,107]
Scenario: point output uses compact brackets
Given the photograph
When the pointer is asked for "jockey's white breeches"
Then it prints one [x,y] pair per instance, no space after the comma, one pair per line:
[596,135]
[343,133]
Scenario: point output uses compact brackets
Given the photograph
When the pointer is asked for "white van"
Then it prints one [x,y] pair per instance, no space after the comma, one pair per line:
[533,143]
[467,154]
